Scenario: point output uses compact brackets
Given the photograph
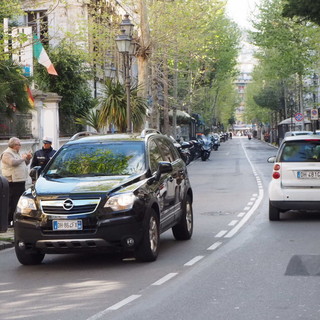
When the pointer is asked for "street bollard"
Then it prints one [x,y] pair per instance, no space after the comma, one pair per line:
[4,204]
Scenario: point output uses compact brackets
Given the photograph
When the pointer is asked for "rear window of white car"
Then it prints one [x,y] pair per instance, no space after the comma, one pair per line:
[301,151]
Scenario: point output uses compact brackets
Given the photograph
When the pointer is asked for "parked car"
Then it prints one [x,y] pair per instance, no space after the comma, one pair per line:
[295,180]
[296,133]
[116,192]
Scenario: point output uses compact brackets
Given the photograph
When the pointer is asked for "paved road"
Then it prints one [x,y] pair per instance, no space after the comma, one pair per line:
[237,266]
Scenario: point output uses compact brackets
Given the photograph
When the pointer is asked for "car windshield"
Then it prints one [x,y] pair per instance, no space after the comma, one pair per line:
[301,151]
[100,159]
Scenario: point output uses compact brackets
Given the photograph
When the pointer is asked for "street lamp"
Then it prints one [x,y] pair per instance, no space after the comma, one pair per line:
[126,47]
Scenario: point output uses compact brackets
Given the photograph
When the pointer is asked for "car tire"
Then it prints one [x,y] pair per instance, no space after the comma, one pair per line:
[274,213]
[148,249]
[28,258]
[184,229]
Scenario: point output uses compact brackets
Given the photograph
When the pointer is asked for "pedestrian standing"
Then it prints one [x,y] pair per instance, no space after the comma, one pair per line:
[41,157]
[14,169]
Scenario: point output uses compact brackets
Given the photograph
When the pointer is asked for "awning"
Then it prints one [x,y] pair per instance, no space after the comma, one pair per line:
[294,121]
[182,116]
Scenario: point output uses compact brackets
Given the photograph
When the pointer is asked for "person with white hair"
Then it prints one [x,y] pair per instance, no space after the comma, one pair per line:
[14,169]
[41,157]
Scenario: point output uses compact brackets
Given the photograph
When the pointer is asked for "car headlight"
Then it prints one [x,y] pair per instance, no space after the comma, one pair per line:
[120,202]
[26,205]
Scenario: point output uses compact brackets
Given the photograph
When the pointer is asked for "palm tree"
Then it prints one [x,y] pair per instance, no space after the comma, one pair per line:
[90,118]
[113,106]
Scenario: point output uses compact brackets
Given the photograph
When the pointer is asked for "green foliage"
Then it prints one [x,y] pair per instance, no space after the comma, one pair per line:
[201,45]
[72,80]
[113,107]
[308,9]
[13,94]
[289,47]
[91,119]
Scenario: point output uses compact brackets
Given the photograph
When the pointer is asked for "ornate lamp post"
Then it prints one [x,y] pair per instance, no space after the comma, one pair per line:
[126,47]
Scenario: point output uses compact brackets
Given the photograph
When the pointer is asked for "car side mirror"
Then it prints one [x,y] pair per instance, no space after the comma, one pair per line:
[34,173]
[272,159]
[163,167]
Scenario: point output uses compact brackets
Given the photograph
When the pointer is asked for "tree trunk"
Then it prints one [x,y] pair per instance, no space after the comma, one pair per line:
[144,50]
[165,99]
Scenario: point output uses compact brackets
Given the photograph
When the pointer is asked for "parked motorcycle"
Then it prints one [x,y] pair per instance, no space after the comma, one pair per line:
[183,149]
[215,141]
[195,149]
[205,149]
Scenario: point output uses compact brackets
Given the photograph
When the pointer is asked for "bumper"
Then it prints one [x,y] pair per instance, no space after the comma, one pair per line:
[125,233]
[296,205]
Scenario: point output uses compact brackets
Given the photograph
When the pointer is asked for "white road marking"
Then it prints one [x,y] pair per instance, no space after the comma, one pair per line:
[233,231]
[233,223]
[193,261]
[114,307]
[164,279]
[221,233]
[241,214]
[215,246]
[246,208]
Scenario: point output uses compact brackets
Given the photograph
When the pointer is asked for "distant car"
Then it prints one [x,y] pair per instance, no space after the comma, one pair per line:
[295,180]
[296,133]
[97,193]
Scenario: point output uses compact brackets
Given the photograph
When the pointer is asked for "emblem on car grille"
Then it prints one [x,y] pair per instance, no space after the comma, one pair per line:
[68,204]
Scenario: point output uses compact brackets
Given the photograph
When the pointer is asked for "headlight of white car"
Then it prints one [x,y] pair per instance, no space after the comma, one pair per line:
[26,205]
[121,202]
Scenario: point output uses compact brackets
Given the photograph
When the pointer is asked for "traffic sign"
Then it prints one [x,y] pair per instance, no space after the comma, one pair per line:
[298,116]
[314,114]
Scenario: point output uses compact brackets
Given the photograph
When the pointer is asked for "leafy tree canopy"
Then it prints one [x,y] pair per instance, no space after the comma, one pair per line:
[13,94]
[308,9]
[71,82]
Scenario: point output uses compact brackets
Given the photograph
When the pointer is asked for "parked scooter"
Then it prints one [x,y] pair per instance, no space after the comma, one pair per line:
[215,142]
[205,149]
[195,149]
[183,149]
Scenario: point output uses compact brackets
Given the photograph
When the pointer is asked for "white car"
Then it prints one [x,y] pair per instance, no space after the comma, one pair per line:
[295,183]
[296,133]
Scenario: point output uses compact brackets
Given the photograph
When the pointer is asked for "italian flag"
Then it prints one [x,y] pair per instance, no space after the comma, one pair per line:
[41,55]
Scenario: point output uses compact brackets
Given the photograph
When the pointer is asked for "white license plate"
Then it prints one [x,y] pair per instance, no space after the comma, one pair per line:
[67,224]
[308,175]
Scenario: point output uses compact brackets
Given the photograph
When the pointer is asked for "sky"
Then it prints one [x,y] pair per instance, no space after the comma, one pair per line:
[241,10]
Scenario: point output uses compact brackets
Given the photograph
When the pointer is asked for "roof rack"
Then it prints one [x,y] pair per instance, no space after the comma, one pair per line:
[144,132]
[82,134]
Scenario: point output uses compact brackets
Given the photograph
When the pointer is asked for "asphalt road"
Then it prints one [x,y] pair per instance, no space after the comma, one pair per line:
[238,265]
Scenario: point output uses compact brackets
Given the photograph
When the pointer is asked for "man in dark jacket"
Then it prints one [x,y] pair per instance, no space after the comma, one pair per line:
[41,157]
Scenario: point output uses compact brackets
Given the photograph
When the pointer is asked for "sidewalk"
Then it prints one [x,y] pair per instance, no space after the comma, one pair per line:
[6,239]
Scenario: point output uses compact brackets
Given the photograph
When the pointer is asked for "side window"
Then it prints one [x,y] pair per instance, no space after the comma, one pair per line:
[168,150]
[154,156]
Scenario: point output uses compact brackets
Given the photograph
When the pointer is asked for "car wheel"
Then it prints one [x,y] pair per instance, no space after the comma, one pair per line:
[274,213]
[148,249]
[28,258]
[183,230]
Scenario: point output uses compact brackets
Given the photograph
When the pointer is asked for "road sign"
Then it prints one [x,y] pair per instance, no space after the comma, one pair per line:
[298,116]
[314,114]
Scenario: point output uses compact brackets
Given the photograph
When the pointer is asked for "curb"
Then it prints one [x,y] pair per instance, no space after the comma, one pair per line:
[6,245]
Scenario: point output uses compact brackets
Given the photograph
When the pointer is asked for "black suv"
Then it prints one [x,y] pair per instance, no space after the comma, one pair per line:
[100,192]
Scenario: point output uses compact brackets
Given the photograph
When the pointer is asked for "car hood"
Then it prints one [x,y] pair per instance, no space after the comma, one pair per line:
[75,185]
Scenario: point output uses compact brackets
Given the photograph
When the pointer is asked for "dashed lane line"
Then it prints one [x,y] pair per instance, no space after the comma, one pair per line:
[193,261]
[164,279]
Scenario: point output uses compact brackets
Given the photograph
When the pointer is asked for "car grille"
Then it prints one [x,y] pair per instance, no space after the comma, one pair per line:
[69,206]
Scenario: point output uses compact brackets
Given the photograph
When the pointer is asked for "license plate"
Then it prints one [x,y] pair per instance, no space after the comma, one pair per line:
[67,224]
[308,175]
